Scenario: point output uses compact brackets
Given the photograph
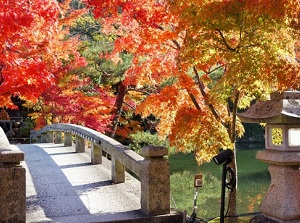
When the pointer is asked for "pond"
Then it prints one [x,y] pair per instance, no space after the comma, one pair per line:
[253,182]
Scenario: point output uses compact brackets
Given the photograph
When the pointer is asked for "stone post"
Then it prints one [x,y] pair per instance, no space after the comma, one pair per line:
[67,138]
[33,136]
[58,137]
[96,154]
[38,139]
[117,171]
[50,137]
[80,144]
[155,181]
[12,187]
[43,138]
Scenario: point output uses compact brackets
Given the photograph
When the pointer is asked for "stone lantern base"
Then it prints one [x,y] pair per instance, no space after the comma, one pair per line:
[281,204]
[267,219]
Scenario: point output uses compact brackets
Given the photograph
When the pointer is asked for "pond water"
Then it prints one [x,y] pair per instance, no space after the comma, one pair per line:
[253,182]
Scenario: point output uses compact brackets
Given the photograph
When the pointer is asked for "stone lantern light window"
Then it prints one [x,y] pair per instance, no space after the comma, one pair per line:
[294,137]
[282,118]
[283,137]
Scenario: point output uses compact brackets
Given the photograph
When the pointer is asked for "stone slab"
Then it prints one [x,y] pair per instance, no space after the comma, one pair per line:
[154,151]
[11,157]
[282,158]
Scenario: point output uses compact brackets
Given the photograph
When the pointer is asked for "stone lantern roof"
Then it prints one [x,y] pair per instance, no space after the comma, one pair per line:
[283,107]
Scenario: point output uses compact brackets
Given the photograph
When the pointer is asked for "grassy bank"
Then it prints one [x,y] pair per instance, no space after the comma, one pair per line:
[244,219]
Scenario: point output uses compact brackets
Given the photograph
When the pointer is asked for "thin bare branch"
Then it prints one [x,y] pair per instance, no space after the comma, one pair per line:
[209,72]
[194,101]
[204,94]
[234,113]
[224,40]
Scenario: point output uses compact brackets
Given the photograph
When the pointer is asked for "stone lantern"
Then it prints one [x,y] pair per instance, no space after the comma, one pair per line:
[282,141]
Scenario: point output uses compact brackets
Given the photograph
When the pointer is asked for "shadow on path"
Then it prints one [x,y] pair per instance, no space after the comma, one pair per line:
[49,193]
[61,186]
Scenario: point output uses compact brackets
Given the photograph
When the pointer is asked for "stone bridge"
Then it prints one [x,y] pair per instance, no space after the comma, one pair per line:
[68,179]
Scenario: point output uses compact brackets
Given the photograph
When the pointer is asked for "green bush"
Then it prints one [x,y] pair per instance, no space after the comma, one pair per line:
[26,126]
[141,139]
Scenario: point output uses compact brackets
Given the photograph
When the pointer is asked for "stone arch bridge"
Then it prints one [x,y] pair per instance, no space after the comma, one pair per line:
[58,178]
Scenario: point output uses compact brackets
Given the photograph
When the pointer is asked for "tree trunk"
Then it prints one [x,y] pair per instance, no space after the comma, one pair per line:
[232,195]
[122,90]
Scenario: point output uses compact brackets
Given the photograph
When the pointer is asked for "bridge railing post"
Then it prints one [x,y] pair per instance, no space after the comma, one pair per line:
[117,171]
[155,181]
[80,144]
[58,137]
[43,138]
[50,137]
[12,187]
[67,138]
[96,154]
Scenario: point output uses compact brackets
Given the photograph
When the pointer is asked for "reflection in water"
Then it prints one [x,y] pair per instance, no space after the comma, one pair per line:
[253,182]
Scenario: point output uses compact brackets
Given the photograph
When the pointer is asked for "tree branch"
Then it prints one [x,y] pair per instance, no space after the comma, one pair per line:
[209,72]
[146,91]
[194,101]
[176,44]
[224,40]
[234,112]
[210,106]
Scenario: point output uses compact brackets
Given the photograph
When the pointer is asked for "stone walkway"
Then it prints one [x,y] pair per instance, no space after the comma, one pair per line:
[62,186]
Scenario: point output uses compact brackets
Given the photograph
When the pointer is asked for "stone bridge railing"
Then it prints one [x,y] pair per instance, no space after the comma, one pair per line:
[152,169]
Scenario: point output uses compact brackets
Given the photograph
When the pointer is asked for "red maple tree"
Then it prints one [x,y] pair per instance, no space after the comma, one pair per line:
[34,50]
[67,103]
[206,59]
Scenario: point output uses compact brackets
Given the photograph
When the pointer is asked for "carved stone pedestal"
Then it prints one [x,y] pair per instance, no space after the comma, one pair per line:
[282,201]
[267,219]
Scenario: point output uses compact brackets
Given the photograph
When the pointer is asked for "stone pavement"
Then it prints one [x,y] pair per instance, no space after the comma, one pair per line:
[62,186]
